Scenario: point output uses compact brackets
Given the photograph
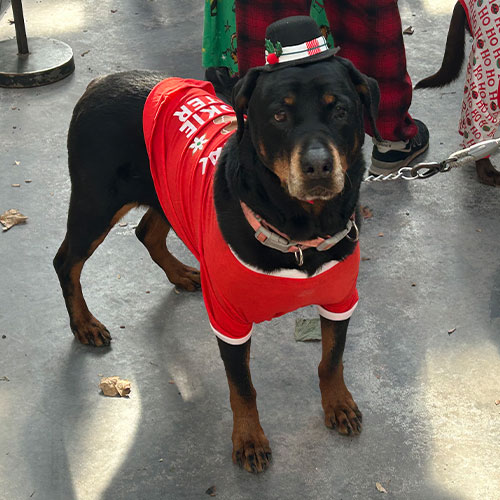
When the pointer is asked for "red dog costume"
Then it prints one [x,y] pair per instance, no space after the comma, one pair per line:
[185,128]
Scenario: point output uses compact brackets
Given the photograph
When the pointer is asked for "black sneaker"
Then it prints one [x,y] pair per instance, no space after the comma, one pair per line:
[222,81]
[388,157]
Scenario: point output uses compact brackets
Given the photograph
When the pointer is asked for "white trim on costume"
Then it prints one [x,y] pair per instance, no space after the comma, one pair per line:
[229,340]
[336,316]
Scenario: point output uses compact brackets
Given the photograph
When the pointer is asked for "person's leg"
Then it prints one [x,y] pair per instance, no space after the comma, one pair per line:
[252,19]
[369,34]
[219,36]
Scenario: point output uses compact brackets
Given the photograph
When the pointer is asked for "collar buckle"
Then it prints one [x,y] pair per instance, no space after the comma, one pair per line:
[273,240]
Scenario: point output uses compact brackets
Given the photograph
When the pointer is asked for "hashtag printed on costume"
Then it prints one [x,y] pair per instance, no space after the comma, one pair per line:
[185,128]
[481,102]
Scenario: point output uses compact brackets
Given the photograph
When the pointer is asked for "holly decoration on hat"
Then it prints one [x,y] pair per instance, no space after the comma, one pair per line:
[273,51]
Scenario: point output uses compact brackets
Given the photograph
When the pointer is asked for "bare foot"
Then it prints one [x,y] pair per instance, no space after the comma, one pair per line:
[487,173]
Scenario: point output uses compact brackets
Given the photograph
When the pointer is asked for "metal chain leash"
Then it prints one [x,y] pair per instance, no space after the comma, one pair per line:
[463,157]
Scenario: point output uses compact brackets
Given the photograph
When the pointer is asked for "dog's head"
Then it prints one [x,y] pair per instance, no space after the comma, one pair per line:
[306,123]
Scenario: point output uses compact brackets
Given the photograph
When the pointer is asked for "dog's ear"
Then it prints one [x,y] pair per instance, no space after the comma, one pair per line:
[368,91]
[242,92]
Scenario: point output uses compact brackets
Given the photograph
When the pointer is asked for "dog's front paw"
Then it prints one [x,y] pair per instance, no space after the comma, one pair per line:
[251,450]
[91,332]
[344,416]
[487,173]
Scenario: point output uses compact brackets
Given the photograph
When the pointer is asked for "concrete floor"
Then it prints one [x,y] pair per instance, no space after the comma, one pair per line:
[431,426]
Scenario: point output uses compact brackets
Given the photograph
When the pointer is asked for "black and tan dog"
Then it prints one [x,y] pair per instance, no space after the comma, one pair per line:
[301,143]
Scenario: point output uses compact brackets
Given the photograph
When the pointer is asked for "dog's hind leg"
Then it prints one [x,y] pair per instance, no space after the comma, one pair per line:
[85,233]
[152,231]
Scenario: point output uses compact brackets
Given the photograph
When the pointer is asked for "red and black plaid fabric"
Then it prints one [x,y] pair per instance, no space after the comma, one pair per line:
[369,34]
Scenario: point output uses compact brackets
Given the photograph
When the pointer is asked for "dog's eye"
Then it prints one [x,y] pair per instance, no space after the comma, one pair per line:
[339,112]
[280,116]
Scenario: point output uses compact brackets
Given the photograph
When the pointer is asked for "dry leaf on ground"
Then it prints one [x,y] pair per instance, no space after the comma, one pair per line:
[307,329]
[211,491]
[409,31]
[114,386]
[11,218]
[380,488]
[367,212]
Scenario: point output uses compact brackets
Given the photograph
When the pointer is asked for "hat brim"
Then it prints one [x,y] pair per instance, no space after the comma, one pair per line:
[326,54]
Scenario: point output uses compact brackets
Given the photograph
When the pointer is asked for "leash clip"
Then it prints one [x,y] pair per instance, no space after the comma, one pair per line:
[425,170]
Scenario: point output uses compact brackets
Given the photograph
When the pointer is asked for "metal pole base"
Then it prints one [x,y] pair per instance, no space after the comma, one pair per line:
[48,61]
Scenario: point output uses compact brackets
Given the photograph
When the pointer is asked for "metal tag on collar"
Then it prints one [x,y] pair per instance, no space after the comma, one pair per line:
[273,240]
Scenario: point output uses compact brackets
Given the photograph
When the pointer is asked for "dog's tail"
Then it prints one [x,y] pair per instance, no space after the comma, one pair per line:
[453,55]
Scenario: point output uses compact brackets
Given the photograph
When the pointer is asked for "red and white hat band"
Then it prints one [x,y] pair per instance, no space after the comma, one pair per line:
[294,52]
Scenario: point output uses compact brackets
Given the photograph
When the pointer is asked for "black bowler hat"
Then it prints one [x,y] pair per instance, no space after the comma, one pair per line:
[295,40]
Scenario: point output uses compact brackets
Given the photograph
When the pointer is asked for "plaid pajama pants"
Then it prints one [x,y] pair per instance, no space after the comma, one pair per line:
[369,34]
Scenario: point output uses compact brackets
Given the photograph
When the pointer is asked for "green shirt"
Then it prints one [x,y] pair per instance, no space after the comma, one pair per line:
[219,33]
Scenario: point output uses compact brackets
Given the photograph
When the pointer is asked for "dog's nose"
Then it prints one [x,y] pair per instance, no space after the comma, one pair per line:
[317,161]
